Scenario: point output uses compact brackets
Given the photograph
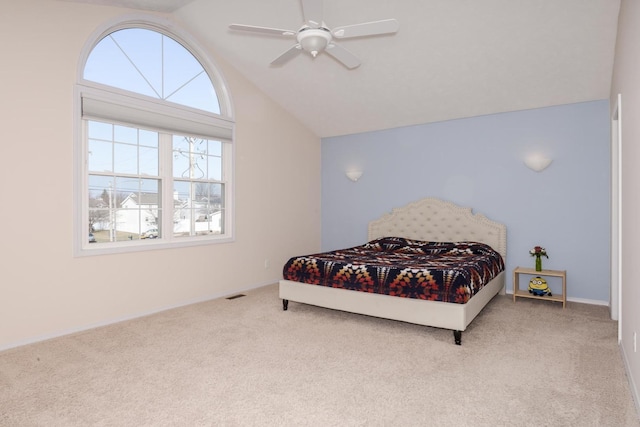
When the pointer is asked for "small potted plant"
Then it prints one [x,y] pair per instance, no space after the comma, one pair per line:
[538,252]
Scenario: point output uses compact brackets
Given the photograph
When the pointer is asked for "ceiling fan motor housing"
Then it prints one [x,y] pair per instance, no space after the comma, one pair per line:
[314,40]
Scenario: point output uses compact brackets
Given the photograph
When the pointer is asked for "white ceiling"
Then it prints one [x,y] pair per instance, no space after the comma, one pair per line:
[450,59]
[155,5]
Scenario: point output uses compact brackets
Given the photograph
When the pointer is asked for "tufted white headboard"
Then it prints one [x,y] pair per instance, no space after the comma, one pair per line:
[436,220]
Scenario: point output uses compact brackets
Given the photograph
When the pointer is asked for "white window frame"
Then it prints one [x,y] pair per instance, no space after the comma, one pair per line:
[106,103]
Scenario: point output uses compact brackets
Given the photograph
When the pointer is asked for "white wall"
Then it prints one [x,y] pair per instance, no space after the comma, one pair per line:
[44,290]
[626,81]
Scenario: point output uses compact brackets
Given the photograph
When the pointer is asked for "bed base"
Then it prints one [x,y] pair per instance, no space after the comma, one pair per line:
[457,335]
[437,314]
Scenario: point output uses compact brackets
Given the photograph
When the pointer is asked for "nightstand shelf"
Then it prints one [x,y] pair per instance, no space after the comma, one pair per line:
[517,293]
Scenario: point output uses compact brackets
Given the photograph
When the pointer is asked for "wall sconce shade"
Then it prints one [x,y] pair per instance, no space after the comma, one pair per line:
[537,162]
[354,175]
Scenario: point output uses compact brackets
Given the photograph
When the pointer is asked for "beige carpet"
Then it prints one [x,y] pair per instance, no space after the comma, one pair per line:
[245,362]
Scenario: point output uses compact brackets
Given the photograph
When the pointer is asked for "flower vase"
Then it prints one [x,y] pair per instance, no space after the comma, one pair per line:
[538,263]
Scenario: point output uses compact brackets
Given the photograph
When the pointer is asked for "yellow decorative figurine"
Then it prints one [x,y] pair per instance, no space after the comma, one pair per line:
[538,286]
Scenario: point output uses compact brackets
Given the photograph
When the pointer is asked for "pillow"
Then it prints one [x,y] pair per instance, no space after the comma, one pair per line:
[404,245]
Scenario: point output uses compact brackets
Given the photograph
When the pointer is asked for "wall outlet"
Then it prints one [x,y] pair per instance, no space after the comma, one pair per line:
[266,263]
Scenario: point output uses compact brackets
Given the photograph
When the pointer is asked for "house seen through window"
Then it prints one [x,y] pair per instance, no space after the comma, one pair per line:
[156,147]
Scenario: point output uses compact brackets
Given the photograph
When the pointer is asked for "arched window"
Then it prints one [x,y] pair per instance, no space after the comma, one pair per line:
[155,149]
[153,64]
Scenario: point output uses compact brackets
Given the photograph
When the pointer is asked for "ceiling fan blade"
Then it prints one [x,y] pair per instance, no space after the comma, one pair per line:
[347,58]
[287,55]
[386,26]
[312,12]
[263,30]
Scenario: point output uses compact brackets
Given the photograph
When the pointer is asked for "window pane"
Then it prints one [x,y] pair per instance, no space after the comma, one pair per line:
[123,208]
[198,208]
[140,208]
[207,205]
[148,161]
[152,64]
[214,160]
[108,64]
[143,49]
[150,208]
[181,155]
[182,216]
[120,230]
[215,168]
[189,157]
[99,130]
[149,155]
[198,93]
[125,134]
[100,156]
[125,158]
[215,148]
[148,138]
[99,206]
[197,158]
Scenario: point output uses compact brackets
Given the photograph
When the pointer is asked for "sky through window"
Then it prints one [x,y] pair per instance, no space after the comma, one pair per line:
[152,64]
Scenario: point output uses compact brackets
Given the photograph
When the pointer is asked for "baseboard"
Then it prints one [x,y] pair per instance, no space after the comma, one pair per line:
[83,328]
[632,384]
[589,301]
[578,300]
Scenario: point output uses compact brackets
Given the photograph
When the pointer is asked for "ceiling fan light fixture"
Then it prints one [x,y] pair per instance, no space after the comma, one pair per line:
[315,37]
[314,40]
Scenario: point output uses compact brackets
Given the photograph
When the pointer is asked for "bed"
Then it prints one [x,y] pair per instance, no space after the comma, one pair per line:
[426,220]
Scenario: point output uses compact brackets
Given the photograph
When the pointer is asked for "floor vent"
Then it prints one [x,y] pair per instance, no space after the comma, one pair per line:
[236,296]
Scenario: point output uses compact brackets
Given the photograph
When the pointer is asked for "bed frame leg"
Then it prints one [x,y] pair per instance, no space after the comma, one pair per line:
[285,304]
[457,336]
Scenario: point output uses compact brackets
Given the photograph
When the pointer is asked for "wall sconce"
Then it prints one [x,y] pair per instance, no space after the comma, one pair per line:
[354,174]
[537,162]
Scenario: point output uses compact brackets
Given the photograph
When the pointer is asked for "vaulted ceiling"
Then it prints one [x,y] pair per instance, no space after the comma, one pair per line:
[450,59]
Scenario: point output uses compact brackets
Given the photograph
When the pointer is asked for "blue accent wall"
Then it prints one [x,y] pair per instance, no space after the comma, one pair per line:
[479,162]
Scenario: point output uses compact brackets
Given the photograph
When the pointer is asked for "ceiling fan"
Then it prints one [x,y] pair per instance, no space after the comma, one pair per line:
[315,37]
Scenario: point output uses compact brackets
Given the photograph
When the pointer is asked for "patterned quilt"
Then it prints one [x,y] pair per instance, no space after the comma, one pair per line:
[449,272]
